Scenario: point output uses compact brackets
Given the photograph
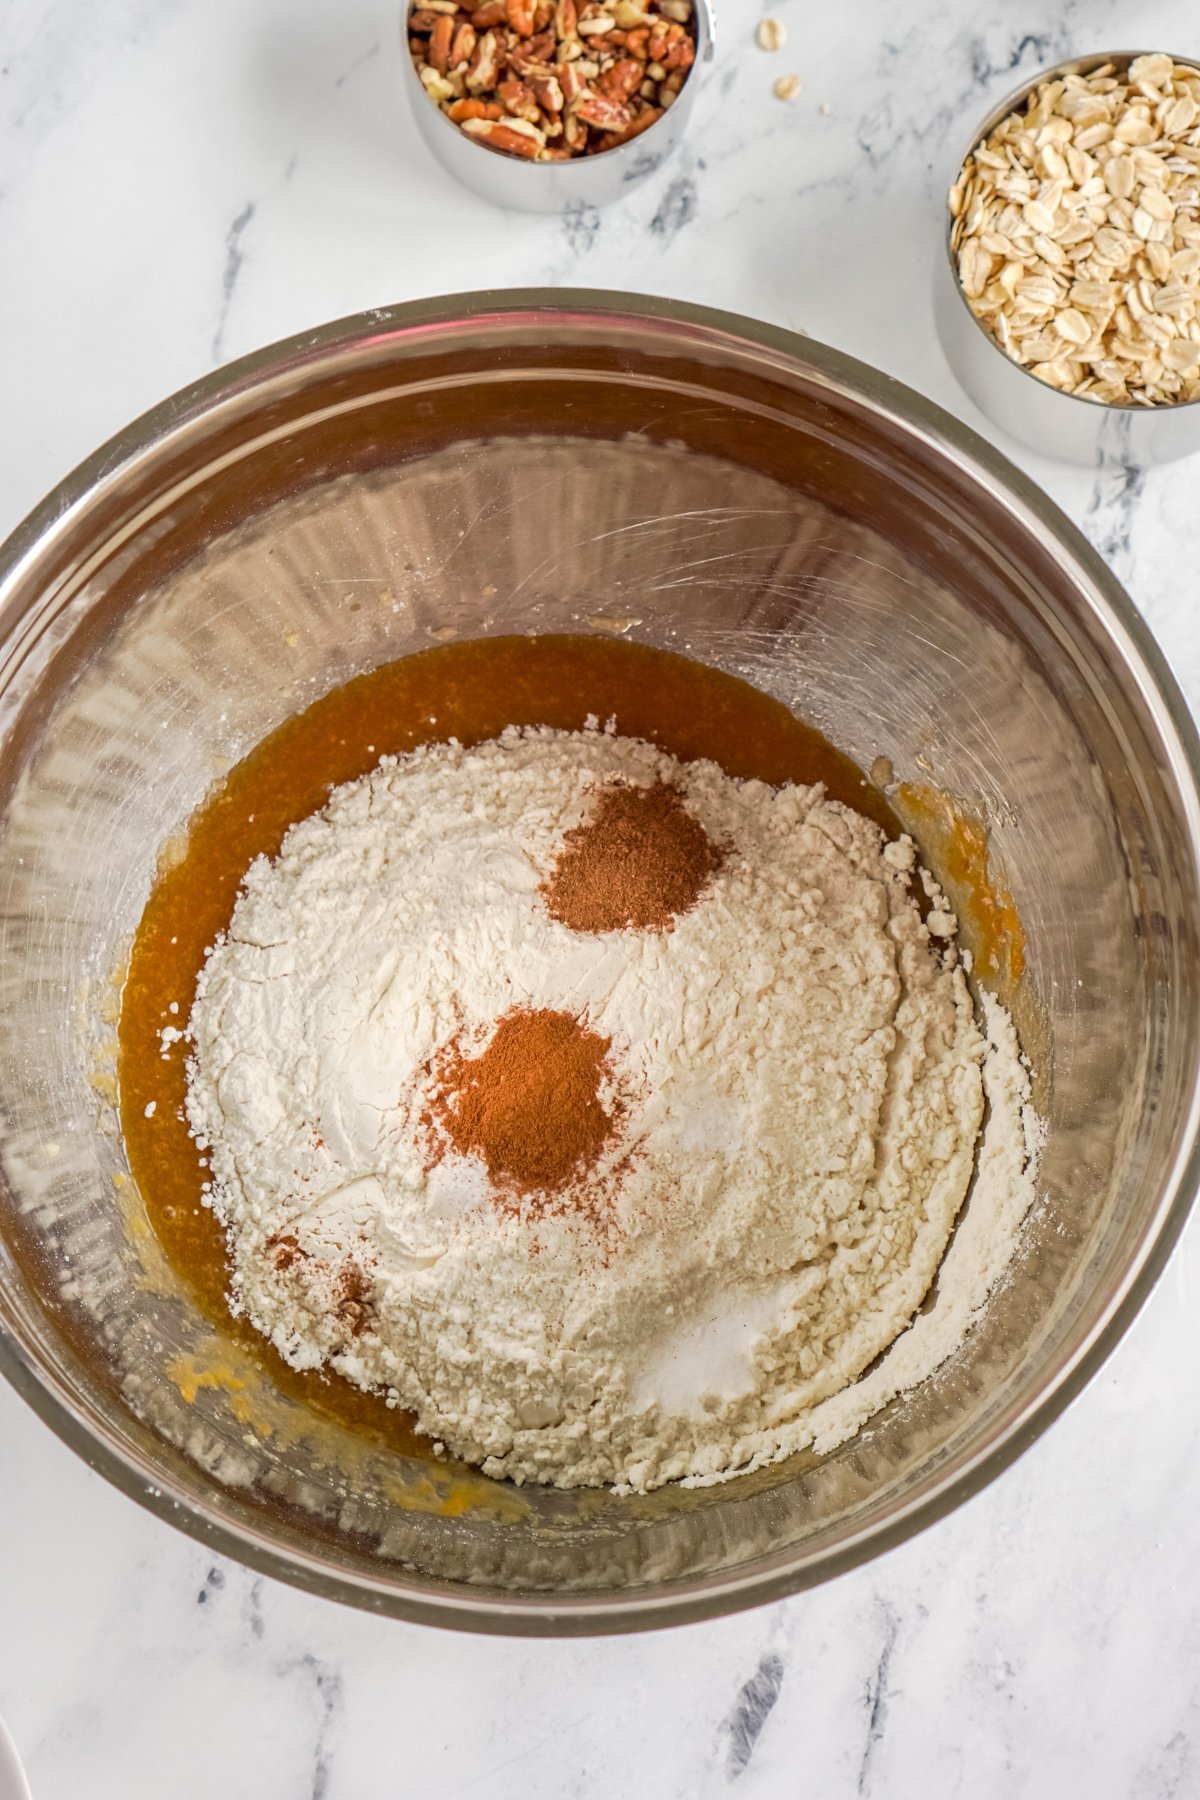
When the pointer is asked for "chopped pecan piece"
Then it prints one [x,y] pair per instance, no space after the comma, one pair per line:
[657,42]
[484,69]
[473,109]
[548,94]
[502,137]
[570,81]
[605,115]
[463,47]
[518,100]
[520,17]
[534,56]
[622,81]
[529,68]
[440,40]
[435,85]
[671,46]
[612,138]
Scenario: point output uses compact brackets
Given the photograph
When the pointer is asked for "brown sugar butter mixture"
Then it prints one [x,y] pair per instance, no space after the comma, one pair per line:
[528,1102]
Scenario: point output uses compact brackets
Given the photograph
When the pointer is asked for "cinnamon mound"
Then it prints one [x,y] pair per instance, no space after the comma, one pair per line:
[639,861]
[529,1104]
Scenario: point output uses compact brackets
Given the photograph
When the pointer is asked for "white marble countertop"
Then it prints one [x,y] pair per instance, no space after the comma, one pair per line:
[182,180]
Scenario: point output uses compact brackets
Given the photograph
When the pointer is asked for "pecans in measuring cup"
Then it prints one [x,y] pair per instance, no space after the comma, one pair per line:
[548,80]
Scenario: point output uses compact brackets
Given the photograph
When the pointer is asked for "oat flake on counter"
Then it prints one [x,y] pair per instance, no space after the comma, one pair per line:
[791,1087]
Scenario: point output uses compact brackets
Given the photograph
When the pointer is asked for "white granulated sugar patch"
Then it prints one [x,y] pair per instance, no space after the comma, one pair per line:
[803,1084]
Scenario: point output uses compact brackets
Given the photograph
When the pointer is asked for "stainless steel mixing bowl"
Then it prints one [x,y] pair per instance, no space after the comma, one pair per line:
[574,461]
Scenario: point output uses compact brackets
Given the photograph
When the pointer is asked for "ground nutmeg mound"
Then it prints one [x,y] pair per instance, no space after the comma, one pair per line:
[639,859]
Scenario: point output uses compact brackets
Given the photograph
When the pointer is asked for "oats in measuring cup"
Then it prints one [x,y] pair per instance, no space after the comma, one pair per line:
[1076,233]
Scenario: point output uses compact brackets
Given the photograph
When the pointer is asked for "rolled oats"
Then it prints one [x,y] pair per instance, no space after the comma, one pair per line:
[771,34]
[1075,230]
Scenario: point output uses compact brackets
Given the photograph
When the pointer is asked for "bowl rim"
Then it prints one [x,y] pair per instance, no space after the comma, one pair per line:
[14,1783]
[1073,65]
[775,1577]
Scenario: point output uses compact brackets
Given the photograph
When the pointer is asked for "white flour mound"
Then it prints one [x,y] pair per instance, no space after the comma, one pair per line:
[803,1082]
